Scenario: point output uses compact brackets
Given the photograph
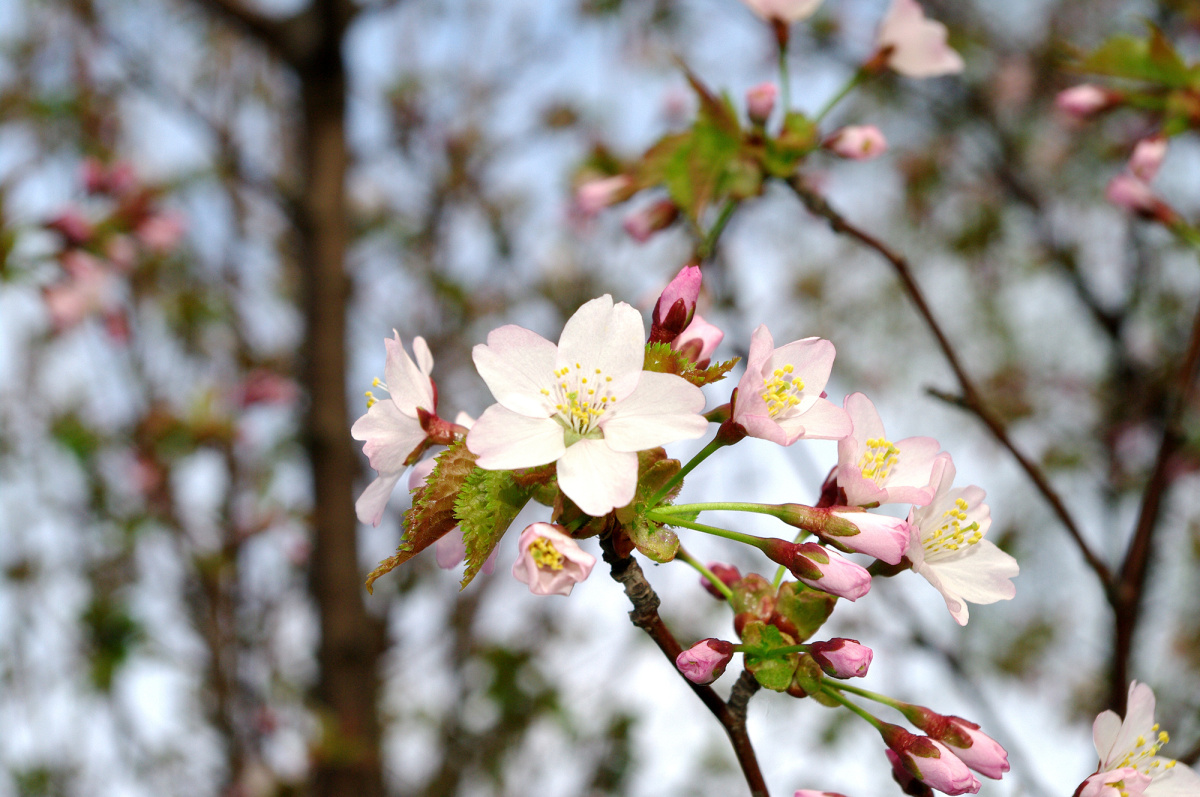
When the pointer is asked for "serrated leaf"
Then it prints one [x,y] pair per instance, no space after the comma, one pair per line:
[772,672]
[662,358]
[487,504]
[432,512]
[801,610]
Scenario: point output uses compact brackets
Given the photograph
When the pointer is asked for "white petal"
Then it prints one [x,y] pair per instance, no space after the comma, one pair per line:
[370,505]
[504,440]
[824,420]
[517,366]
[408,387]
[1104,734]
[664,408]
[1178,781]
[423,354]
[390,435]
[597,478]
[812,359]
[980,574]
[1139,718]
[605,337]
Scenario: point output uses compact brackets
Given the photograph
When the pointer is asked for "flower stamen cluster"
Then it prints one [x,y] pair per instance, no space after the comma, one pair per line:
[877,461]
[782,390]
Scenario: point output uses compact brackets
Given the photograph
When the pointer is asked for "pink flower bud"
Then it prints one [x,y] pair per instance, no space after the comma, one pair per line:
[727,573]
[760,101]
[160,232]
[1084,100]
[930,761]
[908,784]
[842,658]
[95,176]
[642,224]
[820,568]
[595,195]
[976,749]
[915,46]
[72,226]
[857,142]
[705,661]
[699,341]
[676,306]
[1148,157]
[884,537]
[814,793]
[550,562]
[1129,193]
[786,11]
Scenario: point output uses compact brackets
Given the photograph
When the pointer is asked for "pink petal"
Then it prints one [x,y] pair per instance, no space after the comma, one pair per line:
[824,420]
[390,435]
[370,505]
[607,337]
[504,440]
[517,366]
[408,387]
[597,478]
[664,408]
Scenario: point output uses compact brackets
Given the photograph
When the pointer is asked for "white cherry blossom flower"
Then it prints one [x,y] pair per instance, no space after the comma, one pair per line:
[948,548]
[917,45]
[874,470]
[585,404]
[787,11]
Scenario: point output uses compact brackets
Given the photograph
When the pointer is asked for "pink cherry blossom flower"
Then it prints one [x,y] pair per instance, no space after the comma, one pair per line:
[916,46]
[594,195]
[857,142]
[975,748]
[786,11]
[820,568]
[705,661]
[392,429]
[1147,158]
[760,101]
[161,232]
[676,306]
[930,761]
[874,470]
[643,223]
[72,226]
[1084,100]
[1129,760]
[780,397]
[884,537]
[842,658]
[90,288]
[948,548]
[813,793]
[585,404]
[550,562]
[1131,193]
[699,341]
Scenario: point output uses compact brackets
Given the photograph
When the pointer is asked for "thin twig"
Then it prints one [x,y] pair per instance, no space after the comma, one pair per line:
[972,399]
[732,716]
[1128,591]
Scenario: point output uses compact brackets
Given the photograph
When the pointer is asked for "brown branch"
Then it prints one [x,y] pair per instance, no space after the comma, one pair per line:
[972,398]
[732,716]
[1128,591]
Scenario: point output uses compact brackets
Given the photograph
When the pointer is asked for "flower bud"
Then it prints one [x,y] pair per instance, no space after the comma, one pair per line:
[842,658]
[884,537]
[705,661]
[642,224]
[676,306]
[930,761]
[727,573]
[908,784]
[699,341]
[550,562]
[976,749]
[857,142]
[1148,157]
[72,226]
[820,568]
[760,101]
[594,195]
[1080,102]
[814,793]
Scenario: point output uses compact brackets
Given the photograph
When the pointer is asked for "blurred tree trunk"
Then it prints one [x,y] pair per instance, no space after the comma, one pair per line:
[347,762]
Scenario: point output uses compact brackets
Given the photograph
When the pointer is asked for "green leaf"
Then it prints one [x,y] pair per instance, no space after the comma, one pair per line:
[1152,59]
[772,672]
[487,504]
[797,138]
[801,610]
[654,541]
[432,514]
[662,358]
[753,594]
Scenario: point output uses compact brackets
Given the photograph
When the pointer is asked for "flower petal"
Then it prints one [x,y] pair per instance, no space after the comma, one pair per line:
[503,440]
[390,435]
[607,337]
[597,478]
[979,574]
[370,505]
[824,420]
[1178,781]
[408,385]
[517,366]
[662,409]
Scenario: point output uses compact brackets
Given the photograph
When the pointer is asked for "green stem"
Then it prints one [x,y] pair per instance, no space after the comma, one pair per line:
[670,520]
[703,454]
[867,693]
[839,697]
[857,78]
[709,244]
[1186,233]
[785,91]
[731,506]
[760,653]
[721,586]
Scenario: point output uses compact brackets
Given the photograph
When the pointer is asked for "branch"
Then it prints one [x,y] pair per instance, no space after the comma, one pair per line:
[972,399]
[1128,590]
[732,717]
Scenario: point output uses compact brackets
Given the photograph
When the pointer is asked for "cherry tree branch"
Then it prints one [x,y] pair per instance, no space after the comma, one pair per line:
[732,716]
[972,398]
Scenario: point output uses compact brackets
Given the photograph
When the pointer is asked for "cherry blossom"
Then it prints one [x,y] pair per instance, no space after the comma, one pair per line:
[643,223]
[594,195]
[1129,760]
[550,562]
[786,11]
[391,429]
[781,396]
[699,340]
[914,45]
[90,288]
[760,101]
[585,404]
[676,306]
[948,548]
[929,761]
[842,658]
[1084,100]
[705,661]
[874,470]
[820,568]
[975,748]
[857,142]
